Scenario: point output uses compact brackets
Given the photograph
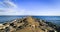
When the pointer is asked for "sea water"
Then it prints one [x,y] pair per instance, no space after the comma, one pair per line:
[53,19]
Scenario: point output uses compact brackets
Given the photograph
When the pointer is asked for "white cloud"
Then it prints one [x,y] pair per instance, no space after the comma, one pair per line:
[10,8]
[10,4]
[12,12]
[7,4]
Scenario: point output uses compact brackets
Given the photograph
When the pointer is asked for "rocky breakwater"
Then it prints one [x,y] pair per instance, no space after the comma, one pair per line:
[28,24]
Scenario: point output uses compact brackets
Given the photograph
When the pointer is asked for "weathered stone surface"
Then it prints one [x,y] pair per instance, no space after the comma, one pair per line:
[28,24]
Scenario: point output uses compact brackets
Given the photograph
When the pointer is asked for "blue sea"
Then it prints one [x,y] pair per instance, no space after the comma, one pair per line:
[53,19]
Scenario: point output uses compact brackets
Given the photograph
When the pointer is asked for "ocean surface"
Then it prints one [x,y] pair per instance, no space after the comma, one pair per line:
[53,19]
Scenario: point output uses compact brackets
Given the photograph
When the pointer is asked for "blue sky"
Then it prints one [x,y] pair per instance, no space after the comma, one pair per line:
[30,7]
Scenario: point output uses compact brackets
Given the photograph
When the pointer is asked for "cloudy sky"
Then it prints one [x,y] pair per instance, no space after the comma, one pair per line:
[30,7]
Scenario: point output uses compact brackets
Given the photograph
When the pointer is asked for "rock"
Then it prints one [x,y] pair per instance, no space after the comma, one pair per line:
[29,24]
